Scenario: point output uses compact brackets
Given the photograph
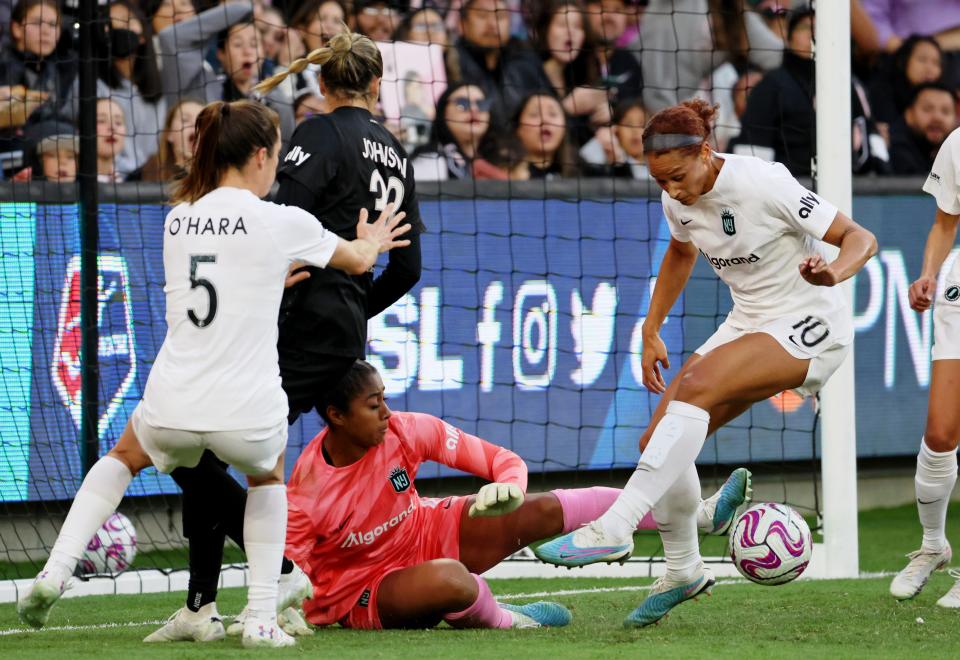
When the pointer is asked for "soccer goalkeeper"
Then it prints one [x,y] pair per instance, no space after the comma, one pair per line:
[381,556]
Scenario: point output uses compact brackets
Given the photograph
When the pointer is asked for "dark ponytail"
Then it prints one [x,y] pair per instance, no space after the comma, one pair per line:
[228,134]
[349,386]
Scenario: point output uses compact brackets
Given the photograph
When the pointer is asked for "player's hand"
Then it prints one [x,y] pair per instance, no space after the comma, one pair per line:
[817,271]
[383,232]
[496,500]
[294,275]
[654,354]
[921,293]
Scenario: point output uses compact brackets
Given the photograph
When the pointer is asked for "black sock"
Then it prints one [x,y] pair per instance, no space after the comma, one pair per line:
[206,555]
[286,568]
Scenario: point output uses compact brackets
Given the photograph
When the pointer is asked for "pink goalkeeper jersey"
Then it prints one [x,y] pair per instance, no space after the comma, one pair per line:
[346,525]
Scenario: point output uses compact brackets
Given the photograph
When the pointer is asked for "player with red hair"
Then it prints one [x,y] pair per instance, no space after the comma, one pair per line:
[789,330]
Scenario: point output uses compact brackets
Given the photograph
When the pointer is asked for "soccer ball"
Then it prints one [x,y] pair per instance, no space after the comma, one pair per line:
[112,548]
[770,544]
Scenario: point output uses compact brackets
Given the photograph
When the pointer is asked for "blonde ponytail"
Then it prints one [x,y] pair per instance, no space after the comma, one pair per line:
[350,63]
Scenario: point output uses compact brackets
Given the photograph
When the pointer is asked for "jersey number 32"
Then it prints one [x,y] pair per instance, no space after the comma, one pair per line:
[388,192]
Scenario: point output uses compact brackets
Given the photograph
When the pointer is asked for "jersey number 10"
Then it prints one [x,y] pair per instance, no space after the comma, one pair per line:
[387,192]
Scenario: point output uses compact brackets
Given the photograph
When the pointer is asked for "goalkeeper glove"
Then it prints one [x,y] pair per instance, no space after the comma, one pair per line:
[496,500]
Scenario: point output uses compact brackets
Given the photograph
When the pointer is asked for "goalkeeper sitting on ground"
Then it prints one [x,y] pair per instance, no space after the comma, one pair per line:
[381,556]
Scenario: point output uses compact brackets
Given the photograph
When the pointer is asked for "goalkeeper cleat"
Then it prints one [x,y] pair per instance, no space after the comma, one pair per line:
[951,599]
[204,625]
[720,510]
[259,633]
[588,545]
[911,580]
[34,606]
[294,588]
[667,594]
[290,619]
[542,614]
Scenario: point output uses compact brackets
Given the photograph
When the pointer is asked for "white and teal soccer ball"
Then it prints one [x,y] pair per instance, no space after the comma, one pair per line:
[112,549]
[770,544]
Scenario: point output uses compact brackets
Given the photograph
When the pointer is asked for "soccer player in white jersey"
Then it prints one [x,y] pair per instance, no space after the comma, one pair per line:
[216,382]
[789,329]
[937,460]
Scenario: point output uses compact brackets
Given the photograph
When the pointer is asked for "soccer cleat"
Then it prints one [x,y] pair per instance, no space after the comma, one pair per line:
[289,619]
[911,580]
[951,599]
[540,614]
[204,625]
[263,633]
[293,589]
[667,594]
[587,545]
[720,510]
[34,606]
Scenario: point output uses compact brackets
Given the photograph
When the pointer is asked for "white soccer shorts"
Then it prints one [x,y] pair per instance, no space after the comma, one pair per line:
[251,451]
[802,336]
[946,323]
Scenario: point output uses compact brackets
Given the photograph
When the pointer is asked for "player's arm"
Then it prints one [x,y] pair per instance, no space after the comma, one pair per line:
[401,274]
[940,240]
[856,245]
[359,255]
[445,443]
[675,270]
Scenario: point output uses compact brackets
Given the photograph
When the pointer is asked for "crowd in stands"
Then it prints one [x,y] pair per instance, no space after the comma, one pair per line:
[482,89]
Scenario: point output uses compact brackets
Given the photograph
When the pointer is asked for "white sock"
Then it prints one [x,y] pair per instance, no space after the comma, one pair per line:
[98,497]
[676,516]
[264,535]
[936,476]
[675,445]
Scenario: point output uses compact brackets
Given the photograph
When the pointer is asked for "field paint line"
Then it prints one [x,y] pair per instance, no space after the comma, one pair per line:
[96,626]
[598,590]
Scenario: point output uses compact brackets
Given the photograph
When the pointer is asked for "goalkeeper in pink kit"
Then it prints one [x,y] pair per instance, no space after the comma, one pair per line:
[381,556]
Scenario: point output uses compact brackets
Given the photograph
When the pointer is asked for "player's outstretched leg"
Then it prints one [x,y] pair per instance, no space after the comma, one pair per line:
[444,589]
[98,497]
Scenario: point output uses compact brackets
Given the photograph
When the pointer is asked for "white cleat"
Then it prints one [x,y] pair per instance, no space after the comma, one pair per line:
[951,599]
[911,580]
[291,620]
[263,633]
[34,606]
[293,589]
[204,625]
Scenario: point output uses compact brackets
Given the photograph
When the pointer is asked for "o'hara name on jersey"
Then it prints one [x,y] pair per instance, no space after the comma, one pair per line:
[720,263]
[209,227]
[384,154]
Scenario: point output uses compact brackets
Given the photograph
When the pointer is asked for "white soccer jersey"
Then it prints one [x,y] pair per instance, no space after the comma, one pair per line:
[943,183]
[224,259]
[754,228]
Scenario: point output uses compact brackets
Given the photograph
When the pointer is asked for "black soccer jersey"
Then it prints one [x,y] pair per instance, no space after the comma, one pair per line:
[338,164]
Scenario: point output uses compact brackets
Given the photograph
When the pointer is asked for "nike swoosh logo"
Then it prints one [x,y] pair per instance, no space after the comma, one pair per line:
[919,501]
[685,223]
[794,341]
[566,552]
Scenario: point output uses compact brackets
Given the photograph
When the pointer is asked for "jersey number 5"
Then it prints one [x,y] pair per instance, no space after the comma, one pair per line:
[387,192]
[195,261]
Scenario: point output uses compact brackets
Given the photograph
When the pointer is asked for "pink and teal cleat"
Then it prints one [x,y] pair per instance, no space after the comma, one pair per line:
[667,594]
[588,545]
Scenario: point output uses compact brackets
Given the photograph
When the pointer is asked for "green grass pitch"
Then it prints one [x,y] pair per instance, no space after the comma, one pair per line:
[836,619]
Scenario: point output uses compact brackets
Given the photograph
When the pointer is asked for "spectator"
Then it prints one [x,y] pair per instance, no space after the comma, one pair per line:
[164,13]
[684,40]
[377,19]
[111,134]
[423,26]
[541,127]
[128,74]
[896,20]
[186,73]
[505,69]
[567,46]
[307,105]
[273,34]
[728,89]
[51,149]
[926,123]
[461,124]
[618,151]
[918,60]
[779,122]
[176,144]
[317,21]
[619,70]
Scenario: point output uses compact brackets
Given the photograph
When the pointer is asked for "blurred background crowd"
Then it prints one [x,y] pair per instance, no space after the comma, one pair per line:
[483,89]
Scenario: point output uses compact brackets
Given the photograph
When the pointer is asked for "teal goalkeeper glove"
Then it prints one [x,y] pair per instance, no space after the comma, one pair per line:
[496,500]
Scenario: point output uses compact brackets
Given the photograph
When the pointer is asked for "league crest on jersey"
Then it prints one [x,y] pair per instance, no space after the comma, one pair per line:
[952,293]
[117,355]
[729,225]
[399,479]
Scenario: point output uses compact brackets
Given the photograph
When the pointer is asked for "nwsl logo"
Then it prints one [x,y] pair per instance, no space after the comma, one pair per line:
[118,366]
